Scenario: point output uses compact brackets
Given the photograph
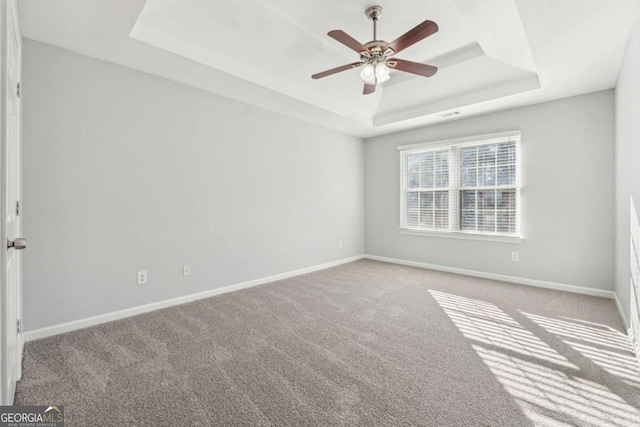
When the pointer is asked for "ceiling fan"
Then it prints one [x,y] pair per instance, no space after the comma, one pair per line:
[376,55]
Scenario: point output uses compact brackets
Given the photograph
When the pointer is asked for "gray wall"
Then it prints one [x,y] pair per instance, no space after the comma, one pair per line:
[627,179]
[567,197]
[124,171]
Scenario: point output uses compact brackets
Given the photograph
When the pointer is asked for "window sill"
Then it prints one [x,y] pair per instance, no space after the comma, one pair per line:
[462,235]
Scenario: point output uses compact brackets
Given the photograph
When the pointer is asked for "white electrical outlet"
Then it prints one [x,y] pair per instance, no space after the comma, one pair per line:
[515,256]
[339,244]
[186,270]
[142,277]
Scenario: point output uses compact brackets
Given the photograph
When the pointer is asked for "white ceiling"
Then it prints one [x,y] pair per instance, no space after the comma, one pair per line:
[492,54]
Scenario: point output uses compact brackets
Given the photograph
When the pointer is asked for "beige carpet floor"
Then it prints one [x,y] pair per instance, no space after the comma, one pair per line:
[366,343]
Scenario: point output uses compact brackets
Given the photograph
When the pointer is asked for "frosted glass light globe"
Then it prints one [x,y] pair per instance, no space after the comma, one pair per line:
[382,73]
[368,74]
[374,74]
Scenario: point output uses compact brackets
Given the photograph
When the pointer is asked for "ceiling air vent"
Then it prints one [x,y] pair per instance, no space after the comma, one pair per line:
[450,114]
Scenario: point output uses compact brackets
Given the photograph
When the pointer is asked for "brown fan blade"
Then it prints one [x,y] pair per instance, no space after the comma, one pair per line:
[412,67]
[348,41]
[420,32]
[368,89]
[336,70]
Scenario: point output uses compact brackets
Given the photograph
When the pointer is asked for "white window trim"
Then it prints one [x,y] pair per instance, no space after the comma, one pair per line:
[454,210]
[488,237]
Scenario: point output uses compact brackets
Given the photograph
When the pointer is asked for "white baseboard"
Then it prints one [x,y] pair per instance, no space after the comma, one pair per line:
[501,277]
[116,315]
[635,343]
[627,325]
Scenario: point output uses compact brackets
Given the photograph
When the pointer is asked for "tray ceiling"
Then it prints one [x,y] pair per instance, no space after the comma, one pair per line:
[491,55]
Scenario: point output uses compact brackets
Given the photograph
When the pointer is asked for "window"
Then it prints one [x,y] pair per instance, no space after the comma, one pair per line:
[466,186]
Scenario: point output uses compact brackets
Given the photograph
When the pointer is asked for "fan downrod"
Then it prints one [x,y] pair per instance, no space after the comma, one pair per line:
[374,13]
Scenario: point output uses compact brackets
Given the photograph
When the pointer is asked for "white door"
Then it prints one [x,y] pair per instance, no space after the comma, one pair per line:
[12,277]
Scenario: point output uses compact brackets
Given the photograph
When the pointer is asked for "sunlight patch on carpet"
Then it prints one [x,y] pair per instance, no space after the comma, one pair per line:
[547,386]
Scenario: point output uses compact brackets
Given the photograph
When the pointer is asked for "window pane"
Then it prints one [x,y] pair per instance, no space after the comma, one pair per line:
[441,219]
[506,153]
[414,180]
[487,155]
[506,164]
[487,176]
[512,153]
[469,177]
[442,169]
[468,220]
[413,163]
[469,157]
[412,209]
[427,179]
[468,198]
[486,199]
[427,168]
[426,219]
[506,222]
[505,199]
[486,220]
[504,176]
[441,200]
[426,209]
[426,200]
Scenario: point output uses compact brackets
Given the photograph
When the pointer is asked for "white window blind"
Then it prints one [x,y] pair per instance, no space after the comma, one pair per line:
[469,185]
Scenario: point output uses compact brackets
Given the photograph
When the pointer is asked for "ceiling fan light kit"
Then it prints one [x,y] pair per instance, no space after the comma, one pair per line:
[375,56]
[375,74]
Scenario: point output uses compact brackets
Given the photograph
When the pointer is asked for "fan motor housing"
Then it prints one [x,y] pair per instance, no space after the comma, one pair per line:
[376,45]
[379,47]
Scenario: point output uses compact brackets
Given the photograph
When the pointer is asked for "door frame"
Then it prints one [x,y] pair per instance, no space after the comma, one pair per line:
[8,10]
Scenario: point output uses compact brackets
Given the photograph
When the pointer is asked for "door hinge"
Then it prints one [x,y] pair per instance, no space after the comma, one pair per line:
[18,208]
[18,90]
[18,326]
